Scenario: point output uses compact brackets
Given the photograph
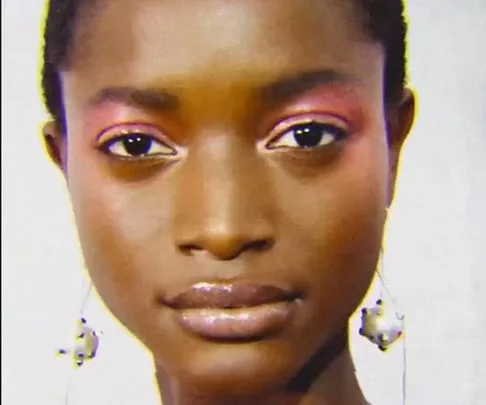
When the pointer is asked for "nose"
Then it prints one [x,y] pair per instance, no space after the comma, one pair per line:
[223,201]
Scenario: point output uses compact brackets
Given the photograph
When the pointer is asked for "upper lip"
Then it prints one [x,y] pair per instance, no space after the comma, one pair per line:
[228,295]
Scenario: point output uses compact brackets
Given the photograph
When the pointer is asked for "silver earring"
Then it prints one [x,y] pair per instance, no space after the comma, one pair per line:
[85,344]
[86,340]
[376,326]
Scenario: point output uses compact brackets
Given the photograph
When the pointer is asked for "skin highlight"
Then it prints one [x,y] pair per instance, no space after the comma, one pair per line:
[227,195]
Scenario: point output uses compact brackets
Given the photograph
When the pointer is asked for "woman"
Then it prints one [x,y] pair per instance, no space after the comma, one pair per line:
[230,166]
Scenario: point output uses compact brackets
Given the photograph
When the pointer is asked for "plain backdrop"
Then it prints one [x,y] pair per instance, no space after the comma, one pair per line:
[435,257]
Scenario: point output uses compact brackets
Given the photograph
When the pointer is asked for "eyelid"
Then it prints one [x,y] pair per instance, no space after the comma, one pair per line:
[120,130]
[286,124]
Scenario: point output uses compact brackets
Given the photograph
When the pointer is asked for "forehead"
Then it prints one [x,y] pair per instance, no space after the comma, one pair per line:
[141,42]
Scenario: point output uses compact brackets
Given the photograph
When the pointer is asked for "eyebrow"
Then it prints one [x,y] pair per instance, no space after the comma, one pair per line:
[278,92]
[148,99]
[290,87]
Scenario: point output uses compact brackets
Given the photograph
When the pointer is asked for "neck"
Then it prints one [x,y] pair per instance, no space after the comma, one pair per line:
[328,379]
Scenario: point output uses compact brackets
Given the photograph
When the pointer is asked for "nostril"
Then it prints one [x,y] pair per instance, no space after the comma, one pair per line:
[258,245]
[189,249]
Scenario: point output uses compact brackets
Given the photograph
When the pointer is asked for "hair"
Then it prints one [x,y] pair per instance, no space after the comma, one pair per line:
[384,21]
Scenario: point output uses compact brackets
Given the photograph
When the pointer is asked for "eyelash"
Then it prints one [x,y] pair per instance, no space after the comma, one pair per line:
[140,140]
[305,129]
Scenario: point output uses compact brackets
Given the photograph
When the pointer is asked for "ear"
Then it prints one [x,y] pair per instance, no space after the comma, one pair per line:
[400,119]
[55,143]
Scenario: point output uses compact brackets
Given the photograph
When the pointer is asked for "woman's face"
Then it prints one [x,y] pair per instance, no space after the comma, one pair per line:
[228,154]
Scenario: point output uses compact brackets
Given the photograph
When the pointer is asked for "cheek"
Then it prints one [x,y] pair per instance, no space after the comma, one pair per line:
[344,197]
[122,227]
[336,224]
[356,197]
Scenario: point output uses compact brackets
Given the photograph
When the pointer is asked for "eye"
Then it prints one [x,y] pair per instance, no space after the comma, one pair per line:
[308,135]
[133,144]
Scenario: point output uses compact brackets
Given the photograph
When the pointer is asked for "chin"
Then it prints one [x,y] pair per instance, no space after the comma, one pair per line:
[234,369]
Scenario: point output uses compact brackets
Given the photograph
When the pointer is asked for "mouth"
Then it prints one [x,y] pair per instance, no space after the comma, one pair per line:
[233,312]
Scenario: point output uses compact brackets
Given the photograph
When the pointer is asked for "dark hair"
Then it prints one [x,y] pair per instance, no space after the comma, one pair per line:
[383,19]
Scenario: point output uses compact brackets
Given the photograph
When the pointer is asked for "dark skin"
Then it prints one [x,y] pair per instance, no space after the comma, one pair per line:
[226,192]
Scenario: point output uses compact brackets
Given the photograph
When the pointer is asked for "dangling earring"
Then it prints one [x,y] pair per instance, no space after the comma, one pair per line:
[376,326]
[85,345]
[382,330]
[86,340]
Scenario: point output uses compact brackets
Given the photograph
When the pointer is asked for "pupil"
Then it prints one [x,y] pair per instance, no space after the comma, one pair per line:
[137,145]
[309,135]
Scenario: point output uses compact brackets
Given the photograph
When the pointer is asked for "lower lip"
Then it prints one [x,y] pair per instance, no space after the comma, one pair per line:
[236,324]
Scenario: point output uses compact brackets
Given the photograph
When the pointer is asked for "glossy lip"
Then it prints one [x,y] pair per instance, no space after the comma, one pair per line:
[233,311]
[228,295]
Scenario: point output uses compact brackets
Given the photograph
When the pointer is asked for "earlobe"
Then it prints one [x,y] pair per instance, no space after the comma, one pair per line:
[400,121]
[55,144]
